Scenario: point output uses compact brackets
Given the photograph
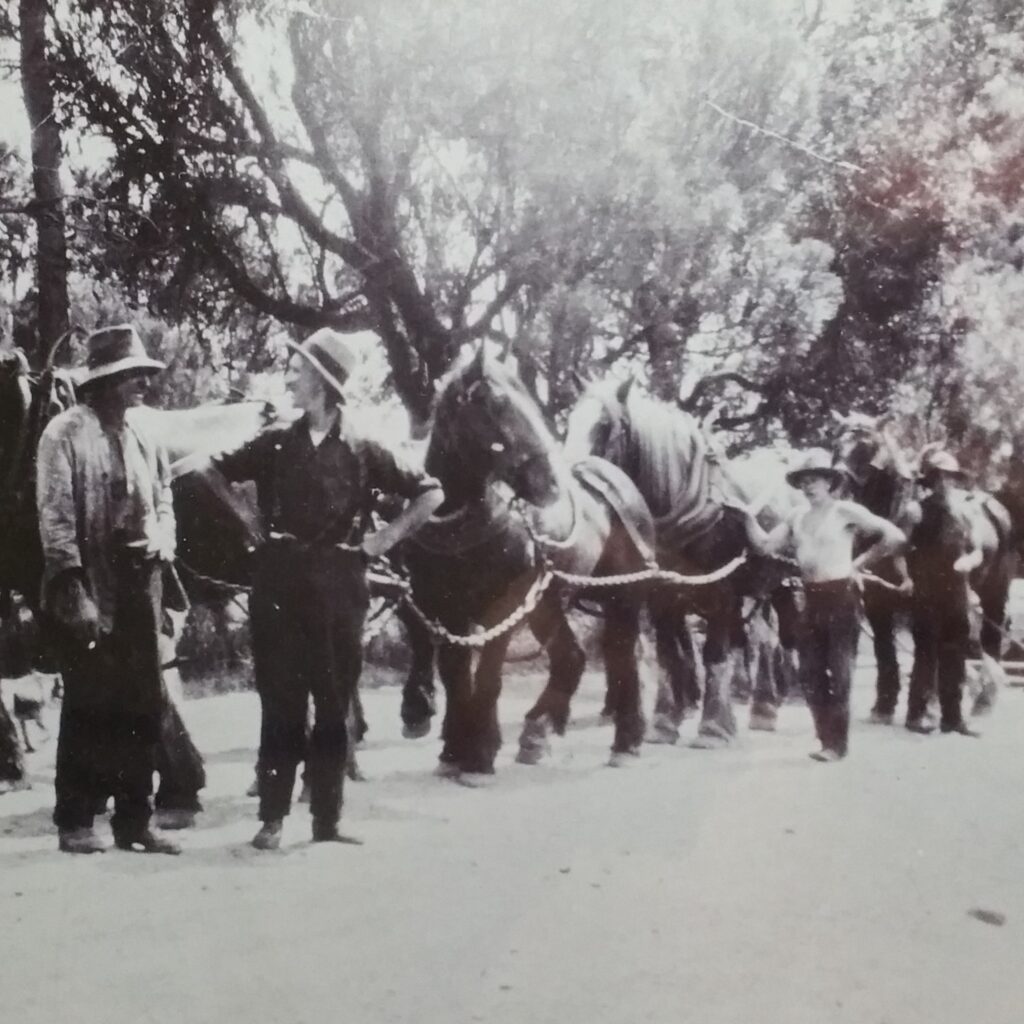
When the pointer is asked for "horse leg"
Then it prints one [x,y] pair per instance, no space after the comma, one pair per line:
[881,616]
[484,733]
[994,595]
[418,704]
[567,661]
[718,720]
[621,631]
[742,657]
[677,678]
[12,764]
[764,709]
[454,665]
[787,612]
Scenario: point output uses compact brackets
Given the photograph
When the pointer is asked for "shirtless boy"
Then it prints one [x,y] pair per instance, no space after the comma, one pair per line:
[822,537]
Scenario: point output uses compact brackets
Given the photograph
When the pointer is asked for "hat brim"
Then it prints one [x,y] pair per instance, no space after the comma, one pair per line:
[126,365]
[331,379]
[953,474]
[834,476]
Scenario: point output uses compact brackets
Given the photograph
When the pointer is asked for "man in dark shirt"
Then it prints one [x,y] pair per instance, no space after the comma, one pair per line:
[944,551]
[314,483]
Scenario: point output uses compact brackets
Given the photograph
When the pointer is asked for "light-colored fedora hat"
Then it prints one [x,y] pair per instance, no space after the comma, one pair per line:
[941,462]
[330,355]
[817,462]
[116,349]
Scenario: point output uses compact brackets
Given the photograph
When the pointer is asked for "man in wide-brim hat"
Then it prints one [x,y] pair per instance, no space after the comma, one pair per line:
[106,523]
[941,465]
[817,463]
[315,484]
[822,538]
[943,552]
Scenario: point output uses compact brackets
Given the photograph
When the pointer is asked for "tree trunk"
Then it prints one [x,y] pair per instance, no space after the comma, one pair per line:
[47,207]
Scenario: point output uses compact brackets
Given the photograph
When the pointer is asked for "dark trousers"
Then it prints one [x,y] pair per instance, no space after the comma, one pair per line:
[178,763]
[307,610]
[112,707]
[828,647]
[941,630]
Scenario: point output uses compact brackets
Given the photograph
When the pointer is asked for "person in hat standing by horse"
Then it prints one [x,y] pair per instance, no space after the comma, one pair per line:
[107,526]
[315,483]
[943,553]
[823,537]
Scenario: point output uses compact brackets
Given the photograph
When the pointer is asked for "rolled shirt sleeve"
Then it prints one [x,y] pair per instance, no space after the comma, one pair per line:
[251,460]
[391,474]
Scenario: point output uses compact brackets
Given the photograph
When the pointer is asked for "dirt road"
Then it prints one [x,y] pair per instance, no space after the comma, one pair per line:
[720,887]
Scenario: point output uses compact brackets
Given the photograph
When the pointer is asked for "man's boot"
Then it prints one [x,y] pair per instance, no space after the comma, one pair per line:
[145,841]
[174,818]
[327,832]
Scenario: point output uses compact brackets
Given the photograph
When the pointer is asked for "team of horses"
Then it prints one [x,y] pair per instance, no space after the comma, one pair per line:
[629,515]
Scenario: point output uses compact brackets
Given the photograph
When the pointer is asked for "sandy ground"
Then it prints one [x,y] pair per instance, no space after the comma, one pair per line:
[743,885]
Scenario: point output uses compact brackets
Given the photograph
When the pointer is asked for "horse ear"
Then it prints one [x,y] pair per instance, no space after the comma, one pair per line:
[622,392]
[839,418]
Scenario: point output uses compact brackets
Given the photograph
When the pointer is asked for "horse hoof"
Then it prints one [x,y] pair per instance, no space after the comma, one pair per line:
[710,741]
[416,730]
[662,734]
[476,780]
[354,775]
[761,722]
[530,755]
[447,770]
[881,717]
[622,758]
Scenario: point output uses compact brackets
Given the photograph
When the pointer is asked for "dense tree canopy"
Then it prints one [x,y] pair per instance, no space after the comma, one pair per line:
[826,203]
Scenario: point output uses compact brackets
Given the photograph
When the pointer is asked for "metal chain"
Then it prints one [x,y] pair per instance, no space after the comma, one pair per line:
[479,639]
[653,573]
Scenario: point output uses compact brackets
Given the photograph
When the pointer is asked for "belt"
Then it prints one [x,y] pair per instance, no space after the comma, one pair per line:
[829,586]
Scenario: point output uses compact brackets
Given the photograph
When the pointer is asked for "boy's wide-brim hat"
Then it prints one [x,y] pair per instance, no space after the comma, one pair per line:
[941,462]
[330,354]
[816,463]
[117,349]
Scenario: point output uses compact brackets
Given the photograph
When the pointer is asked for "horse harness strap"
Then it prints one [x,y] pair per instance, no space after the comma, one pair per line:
[601,488]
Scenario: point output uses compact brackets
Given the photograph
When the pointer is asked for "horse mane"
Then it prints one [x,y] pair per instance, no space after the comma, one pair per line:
[666,455]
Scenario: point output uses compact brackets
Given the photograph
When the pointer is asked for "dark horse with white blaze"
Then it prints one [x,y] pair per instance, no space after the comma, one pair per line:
[663,451]
[480,560]
[884,481]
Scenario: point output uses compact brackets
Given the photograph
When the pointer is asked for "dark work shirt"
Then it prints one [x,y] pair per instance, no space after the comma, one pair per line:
[936,542]
[319,493]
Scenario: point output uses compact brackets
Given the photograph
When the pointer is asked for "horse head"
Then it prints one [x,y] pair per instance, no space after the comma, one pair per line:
[486,425]
[599,423]
[857,444]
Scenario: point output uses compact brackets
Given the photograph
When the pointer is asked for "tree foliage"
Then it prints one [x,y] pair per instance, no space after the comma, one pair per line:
[825,207]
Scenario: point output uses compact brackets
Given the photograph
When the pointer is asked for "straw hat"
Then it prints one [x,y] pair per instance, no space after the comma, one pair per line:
[117,349]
